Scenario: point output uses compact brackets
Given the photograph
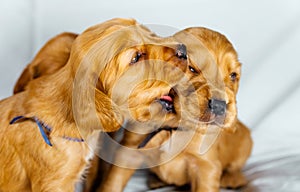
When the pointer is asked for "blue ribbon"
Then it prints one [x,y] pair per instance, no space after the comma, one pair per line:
[39,124]
[42,126]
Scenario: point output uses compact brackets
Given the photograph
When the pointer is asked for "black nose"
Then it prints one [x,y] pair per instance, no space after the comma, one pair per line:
[218,107]
[181,52]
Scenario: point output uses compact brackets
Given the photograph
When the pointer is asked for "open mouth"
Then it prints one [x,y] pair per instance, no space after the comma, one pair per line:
[167,102]
[211,118]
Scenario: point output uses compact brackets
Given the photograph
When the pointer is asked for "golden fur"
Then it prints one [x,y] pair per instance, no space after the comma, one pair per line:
[99,65]
[221,165]
[216,77]
[194,92]
[52,57]
[190,100]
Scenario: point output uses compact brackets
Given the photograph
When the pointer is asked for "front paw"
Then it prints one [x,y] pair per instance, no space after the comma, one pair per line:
[233,180]
[154,182]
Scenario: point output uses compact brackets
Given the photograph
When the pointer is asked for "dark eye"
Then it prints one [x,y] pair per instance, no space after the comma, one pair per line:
[193,70]
[233,76]
[136,58]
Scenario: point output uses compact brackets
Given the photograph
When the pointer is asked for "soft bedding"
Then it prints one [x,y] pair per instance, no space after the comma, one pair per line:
[266,35]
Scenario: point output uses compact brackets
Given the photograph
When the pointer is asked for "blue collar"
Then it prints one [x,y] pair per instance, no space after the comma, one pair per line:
[44,129]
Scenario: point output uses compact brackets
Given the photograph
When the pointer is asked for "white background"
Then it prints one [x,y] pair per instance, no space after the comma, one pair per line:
[266,34]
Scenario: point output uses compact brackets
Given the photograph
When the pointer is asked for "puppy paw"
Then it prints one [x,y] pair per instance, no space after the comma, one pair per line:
[233,180]
[154,182]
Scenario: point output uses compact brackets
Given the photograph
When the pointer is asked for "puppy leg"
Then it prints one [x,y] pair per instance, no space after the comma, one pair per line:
[92,174]
[232,175]
[116,180]
[118,177]
[233,180]
[204,174]
[154,182]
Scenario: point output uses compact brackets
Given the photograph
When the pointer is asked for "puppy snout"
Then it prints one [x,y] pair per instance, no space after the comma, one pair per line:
[217,107]
[181,51]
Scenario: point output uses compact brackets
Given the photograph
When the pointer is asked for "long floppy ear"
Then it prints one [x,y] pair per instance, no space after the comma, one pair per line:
[91,57]
[52,57]
[23,80]
[109,115]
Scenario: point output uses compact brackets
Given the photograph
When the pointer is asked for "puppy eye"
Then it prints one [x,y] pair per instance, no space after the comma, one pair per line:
[136,58]
[233,76]
[193,70]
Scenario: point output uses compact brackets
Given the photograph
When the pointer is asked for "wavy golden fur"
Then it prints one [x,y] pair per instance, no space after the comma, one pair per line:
[203,77]
[52,57]
[83,98]
[190,99]
[221,165]
[216,76]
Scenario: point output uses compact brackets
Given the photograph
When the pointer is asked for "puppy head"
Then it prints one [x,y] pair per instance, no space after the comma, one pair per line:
[143,84]
[52,56]
[216,80]
[128,70]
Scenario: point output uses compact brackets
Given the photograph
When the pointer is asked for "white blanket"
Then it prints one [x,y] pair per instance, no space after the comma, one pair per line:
[266,35]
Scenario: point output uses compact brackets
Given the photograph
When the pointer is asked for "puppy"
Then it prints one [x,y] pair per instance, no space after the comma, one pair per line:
[221,165]
[48,132]
[207,162]
[190,99]
[52,56]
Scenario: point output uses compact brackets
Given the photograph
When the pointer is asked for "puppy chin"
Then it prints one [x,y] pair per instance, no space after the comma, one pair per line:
[230,118]
[229,123]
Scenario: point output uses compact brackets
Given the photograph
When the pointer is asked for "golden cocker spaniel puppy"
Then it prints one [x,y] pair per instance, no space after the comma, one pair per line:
[118,72]
[210,159]
[190,99]
[221,164]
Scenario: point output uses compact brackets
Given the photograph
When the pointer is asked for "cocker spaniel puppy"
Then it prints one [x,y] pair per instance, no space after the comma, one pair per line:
[117,73]
[223,159]
[219,144]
